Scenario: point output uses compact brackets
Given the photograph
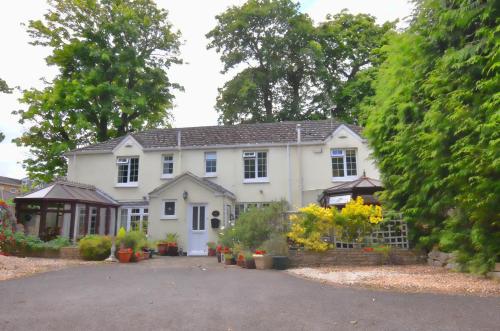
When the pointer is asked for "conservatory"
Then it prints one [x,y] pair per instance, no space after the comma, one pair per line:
[67,209]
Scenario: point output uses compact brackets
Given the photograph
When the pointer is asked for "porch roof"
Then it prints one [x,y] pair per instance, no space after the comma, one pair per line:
[361,184]
[201,181]
[65,191]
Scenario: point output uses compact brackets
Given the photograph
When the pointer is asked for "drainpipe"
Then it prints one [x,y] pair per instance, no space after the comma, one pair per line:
[180,150]
[289,165]
[299,163]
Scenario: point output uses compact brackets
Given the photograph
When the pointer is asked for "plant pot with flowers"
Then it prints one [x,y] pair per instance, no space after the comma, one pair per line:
[211,248]
[262,259]
[249,261]
[218,252]
[172,248]
[228,258]
[240,260]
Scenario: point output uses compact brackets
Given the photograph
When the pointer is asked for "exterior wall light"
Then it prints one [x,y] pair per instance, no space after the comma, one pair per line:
[185,195]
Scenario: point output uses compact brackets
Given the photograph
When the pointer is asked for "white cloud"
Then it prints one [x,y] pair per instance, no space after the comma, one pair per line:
[23,65]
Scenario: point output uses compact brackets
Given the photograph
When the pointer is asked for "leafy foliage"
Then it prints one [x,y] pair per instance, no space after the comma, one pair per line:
[4,88]
[95,247]
[293,70]
[433,124]
[112,56]
[135,240]
[254,227]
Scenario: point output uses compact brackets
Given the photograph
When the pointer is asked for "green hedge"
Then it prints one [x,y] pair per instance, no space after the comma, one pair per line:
[95,247]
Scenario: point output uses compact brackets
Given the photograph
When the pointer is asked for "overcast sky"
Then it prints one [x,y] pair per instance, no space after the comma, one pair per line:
[23,65]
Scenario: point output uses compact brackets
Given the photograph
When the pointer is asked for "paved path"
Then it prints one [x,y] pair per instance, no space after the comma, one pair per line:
[199,294]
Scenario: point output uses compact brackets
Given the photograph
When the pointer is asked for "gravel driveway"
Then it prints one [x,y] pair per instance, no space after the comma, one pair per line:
[199,294]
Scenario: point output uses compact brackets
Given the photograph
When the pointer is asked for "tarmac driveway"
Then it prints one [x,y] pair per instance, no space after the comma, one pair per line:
[199,294]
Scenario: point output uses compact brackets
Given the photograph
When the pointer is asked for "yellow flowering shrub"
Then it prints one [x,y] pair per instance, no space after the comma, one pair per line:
[313,222]
[310,225]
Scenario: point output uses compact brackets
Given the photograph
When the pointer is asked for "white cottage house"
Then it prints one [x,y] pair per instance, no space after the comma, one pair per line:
[179,179]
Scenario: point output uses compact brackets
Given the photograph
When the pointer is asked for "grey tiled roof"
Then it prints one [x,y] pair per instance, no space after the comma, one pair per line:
[259,133]
[10,181]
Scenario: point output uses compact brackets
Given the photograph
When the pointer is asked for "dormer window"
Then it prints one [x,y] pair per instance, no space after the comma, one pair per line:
[344,165]
[128,171]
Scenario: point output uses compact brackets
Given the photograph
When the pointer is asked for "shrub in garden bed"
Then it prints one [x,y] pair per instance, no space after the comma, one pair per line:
[95,247]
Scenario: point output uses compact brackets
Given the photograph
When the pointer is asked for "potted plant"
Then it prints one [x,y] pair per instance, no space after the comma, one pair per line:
[162,247]
[218,251]
[228,258]
[211,248]
[240,261]
[278,248]
[124,255]
[172,249]
[262,260]
[249,261]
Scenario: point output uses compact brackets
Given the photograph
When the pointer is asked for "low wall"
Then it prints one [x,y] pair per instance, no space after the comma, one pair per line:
[70,253]
[356,257]
[63,253]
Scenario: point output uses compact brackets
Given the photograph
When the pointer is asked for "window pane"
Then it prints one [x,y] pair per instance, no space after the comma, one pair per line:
[351,162]
[145,224]
[134,170]
[337,166]
[123,218]
[195,218]
[249,168]
[123,173]
[202,218]
[82,217]
[168,164]
[135,221]
[210,162]
[262,164]
[93,220]
[169,208]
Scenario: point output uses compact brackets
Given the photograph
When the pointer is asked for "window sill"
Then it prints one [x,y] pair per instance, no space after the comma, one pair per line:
[170,176]
[344,179]
[127,185]
[256,180]
[210,175]
[168,218]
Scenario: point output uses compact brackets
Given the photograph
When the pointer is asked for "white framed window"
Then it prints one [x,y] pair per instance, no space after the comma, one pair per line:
[210,164]
[167,166]
[168,209]
[344,165]
[128,171]
[255,167]
[134,218]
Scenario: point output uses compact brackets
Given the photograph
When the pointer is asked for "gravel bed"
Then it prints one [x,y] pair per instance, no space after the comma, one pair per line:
[15,267]
[414,278]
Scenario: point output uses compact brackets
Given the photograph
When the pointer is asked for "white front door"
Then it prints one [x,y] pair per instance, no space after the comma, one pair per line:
[198,234]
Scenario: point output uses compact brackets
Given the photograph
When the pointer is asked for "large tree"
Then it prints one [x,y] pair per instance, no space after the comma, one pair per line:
[434,127]
[112,57]
[4,88]
[290,69]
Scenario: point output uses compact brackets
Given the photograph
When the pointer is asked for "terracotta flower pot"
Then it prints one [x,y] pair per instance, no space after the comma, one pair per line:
[211,252]
[263,261]
[162,249]
[124,255]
